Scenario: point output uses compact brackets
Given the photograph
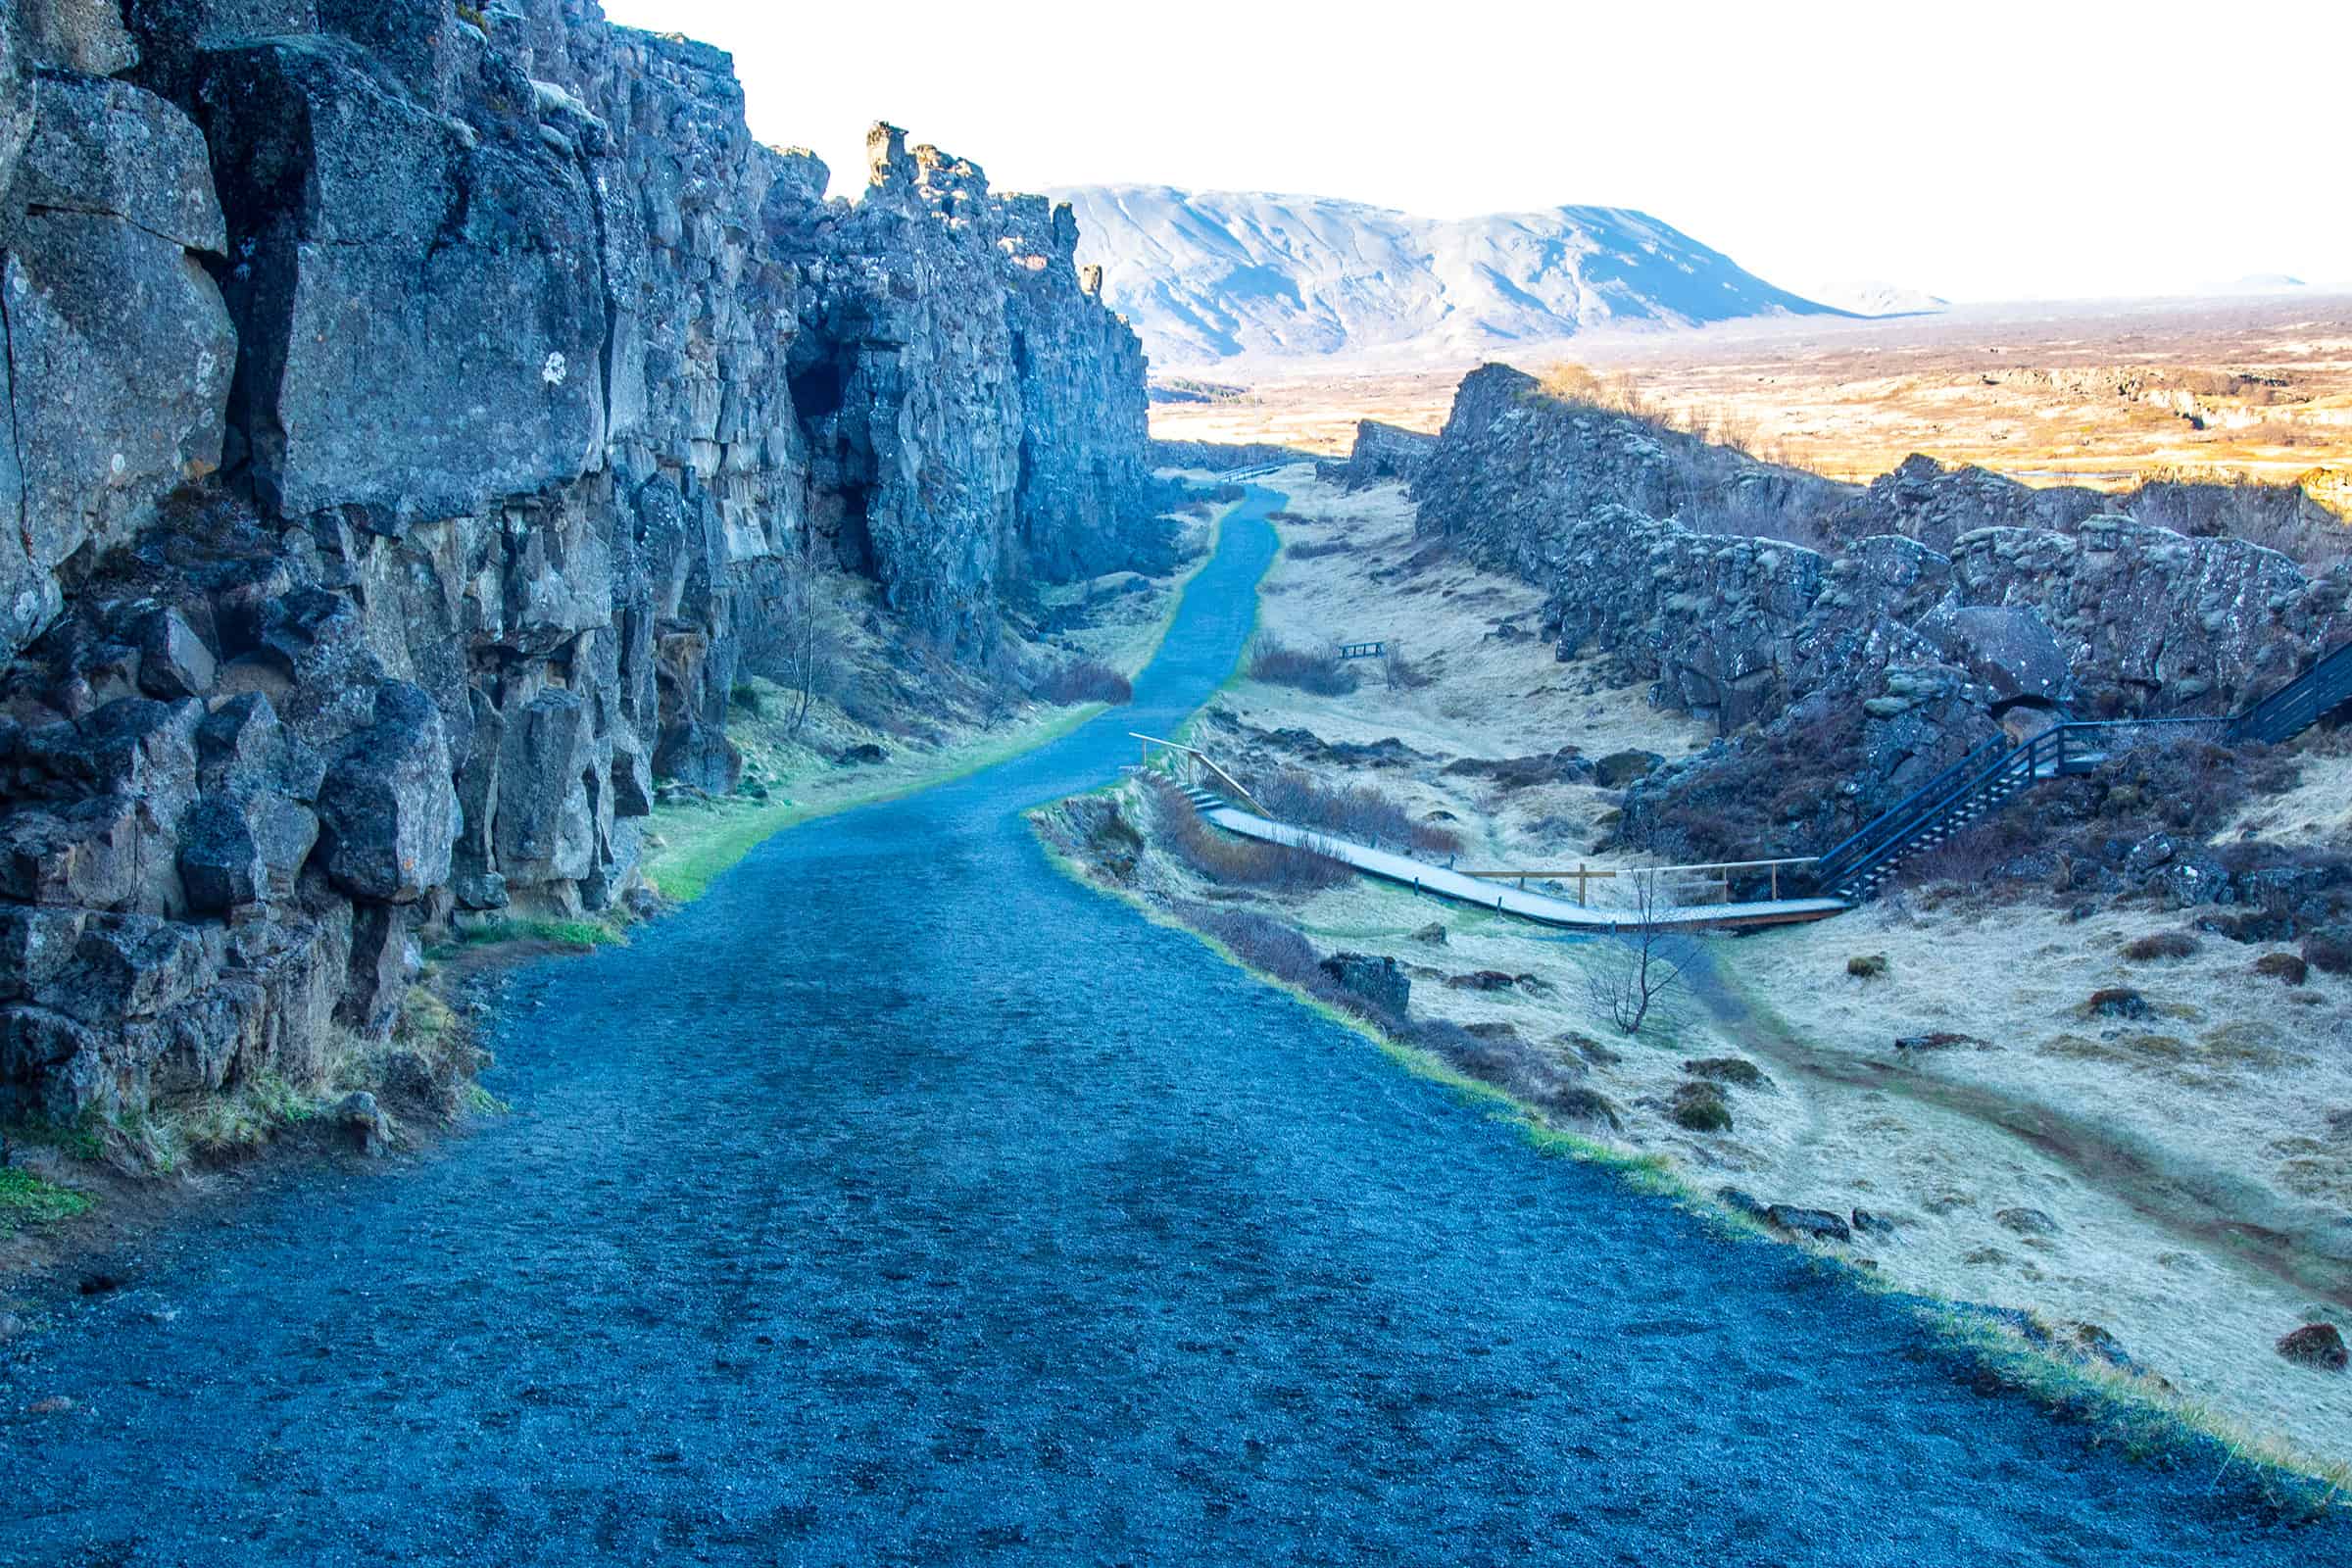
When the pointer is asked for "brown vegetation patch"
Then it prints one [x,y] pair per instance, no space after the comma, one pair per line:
[1736,1071]
[1359,812]
[1234,862]
[1700,1107]
[1085,680]
[2161,944]
[1319,672]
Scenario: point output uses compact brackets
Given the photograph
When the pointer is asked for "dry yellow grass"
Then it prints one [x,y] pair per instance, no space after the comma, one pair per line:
[2041,399]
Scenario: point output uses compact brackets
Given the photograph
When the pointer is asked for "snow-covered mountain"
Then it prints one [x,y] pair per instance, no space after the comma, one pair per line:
[1219,275]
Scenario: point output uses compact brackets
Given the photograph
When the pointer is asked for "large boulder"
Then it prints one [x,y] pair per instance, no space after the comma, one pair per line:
[387,806]
[1379,982]
[388,255]
[2006,649]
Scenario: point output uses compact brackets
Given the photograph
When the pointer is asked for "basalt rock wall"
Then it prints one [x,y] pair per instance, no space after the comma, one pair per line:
[406,403]
[1619,523]
[1869,664]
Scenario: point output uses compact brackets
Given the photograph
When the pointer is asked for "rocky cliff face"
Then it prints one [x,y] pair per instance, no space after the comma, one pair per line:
[1629,528]
[1905,653]
[1381,453]
[410,409]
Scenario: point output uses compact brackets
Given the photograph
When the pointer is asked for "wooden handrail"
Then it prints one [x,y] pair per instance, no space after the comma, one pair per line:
[1200,757]
[1581,875]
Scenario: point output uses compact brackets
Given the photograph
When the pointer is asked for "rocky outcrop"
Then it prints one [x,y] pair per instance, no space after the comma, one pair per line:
[1514,462]
[411,407]
[1219,456]
[1862,668]
[1629,531]
[1923,500]
[1382,454]
[2153,622]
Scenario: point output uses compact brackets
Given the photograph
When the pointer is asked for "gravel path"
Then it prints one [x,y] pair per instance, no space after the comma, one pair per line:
[904,1203]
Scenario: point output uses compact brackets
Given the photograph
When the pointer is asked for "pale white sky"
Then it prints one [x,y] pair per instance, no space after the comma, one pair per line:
[1990,150]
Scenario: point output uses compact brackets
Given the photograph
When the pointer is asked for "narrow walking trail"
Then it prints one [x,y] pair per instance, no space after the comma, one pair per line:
[902,1202]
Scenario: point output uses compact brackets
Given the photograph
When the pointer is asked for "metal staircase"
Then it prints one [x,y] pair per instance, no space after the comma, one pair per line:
[1949,804]
[2299,703]
[1984,780]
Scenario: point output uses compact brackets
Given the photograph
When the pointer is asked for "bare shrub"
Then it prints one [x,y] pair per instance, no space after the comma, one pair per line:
[1977,854]
[2159,945]
[1316,550]
[1084,680]
[1231,861]
[1518,1067]
[1318,670]
[795,634]
[1616,393]
[1403,675]
[1632,972]
[1359,812]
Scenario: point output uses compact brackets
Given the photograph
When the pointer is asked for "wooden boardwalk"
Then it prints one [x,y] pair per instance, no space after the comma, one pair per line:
[1463,888]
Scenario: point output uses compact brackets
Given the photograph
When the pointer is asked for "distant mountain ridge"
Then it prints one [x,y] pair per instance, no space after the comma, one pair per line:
[1216,276]
[1875,297]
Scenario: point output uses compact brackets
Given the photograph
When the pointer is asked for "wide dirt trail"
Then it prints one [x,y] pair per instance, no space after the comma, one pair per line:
[904,1203]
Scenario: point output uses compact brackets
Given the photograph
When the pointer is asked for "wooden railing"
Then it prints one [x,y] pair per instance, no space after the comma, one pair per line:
[1372,650]
[1717,871]
[1195,762]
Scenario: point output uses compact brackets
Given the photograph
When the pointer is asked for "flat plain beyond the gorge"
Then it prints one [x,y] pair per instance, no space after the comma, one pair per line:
[2097,393]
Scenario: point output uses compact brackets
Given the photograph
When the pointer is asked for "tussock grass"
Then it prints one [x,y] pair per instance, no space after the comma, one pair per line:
[1318,670]
[426,1064]
[1233,861]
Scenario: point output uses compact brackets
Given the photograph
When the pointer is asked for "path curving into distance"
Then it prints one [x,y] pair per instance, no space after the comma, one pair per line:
[902,1202]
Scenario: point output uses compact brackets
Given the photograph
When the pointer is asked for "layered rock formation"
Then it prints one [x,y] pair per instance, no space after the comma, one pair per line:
[1625,525]
[1903,653]
[1382,453]
[411,407]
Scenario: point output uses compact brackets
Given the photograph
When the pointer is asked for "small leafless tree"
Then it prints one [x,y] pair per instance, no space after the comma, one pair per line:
[1001,688]
[1633,972]
[800,639]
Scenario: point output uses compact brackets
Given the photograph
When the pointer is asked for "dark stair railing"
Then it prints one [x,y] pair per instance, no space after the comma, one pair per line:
[2299,703]
[1961,795]
[1977,784]
[1986,778]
